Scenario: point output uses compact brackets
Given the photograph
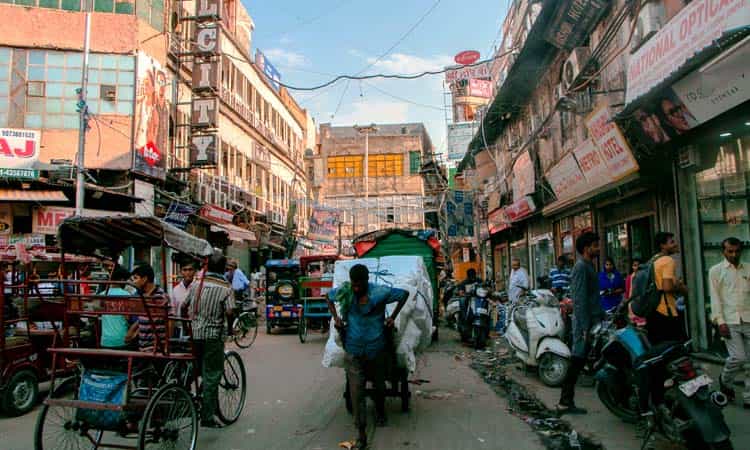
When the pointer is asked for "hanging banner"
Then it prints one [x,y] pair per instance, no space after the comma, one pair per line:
[324,224]
[468,72]
[565,178]
[520,209]
[614,148]
[459,208]
[19,149]
[151,118]
[178,214]
[458,137]
[480,88]
[574,21]
[523,176]
[498,221]
[696,27]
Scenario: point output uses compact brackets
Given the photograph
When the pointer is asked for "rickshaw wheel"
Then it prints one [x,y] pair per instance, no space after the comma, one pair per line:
[170,421]
[57,427]
[245,329]
[232,389]
[21,393]
[302,327]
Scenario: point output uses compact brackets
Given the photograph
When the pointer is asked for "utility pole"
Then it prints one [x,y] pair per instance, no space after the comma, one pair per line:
[83,111]
[366,130]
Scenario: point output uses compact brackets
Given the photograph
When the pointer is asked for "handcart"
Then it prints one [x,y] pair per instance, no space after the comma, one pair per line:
[121,395]
[317,280]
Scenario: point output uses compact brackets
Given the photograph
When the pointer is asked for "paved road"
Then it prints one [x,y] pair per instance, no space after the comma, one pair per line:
[295,404]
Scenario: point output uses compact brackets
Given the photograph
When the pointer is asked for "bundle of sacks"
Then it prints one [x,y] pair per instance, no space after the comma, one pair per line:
[414,322]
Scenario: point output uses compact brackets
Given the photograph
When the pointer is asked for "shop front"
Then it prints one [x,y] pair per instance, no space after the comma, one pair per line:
[499,228]
[542,247]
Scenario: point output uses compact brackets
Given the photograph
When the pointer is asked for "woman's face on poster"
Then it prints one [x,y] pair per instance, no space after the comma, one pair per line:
[675,115]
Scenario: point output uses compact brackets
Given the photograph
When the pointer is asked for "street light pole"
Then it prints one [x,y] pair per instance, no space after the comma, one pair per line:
[366,130]
[83,111]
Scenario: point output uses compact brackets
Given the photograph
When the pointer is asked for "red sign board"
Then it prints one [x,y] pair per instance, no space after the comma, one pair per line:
[480,88]
[520,209]
[497,221]
[217,214]
[467,57]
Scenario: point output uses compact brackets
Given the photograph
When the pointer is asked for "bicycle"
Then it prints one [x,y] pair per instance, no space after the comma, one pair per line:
[245,326]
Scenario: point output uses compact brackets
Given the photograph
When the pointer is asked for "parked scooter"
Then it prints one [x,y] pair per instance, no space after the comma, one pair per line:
[476,323]
[535,332]
[690,413]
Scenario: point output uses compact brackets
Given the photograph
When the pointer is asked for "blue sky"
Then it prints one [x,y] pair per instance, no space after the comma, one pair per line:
[311,40]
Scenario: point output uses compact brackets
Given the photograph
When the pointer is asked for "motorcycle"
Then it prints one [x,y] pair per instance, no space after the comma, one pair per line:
[691,412]
[476,324]
[535,332]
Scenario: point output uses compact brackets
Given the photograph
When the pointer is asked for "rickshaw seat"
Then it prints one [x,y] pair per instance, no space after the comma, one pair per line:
[16,341]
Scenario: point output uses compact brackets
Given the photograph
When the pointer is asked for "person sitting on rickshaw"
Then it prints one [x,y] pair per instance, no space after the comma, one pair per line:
[212,314]
[145,328]
[115,326]
[363,327]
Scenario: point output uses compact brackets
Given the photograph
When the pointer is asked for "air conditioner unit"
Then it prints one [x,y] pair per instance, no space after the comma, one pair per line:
[108,92]
[573,66]
[650,20]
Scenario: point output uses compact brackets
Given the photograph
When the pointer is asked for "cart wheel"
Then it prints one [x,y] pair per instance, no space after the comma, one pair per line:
[347,396]
[21,393]
[57,427]
[170,420]
[232,389]
[245,329]
[302,328]
[405,394]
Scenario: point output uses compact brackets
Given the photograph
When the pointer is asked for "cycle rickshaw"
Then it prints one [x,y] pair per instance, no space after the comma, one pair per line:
[151,396]
[314,284]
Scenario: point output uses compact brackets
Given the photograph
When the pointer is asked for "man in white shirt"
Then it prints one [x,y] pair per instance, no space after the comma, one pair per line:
[730,309]
[180,292]
[518,283]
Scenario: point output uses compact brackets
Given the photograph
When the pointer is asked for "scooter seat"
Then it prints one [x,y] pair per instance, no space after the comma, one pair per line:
[519,317]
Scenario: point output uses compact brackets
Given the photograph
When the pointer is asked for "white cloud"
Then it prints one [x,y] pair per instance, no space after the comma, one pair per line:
[377,111]
[402,63]
[285,57]
[285,40]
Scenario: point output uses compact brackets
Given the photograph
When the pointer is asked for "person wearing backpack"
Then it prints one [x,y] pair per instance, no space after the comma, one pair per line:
[587,312]
[729,285]
[664,322]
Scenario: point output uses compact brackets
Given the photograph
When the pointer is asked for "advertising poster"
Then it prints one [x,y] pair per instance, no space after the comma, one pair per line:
[19,149]
[151,118]
[324,224]
[458,139]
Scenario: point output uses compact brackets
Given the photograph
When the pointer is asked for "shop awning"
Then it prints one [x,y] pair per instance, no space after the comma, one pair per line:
[559,205]
[235,233]
[25,195]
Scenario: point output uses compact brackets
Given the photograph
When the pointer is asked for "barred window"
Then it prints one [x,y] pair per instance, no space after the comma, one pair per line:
[388,165]
[345,166]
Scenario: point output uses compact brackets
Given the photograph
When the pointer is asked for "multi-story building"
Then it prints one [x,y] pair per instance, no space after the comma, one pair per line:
[625,118]
[221,149]
[373,175]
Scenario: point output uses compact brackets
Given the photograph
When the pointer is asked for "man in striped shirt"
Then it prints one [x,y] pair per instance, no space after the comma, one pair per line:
[559,276]
[211,311]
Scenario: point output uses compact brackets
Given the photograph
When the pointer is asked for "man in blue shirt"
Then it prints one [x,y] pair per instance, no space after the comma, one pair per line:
[237,278]
[559,276]
[363,326]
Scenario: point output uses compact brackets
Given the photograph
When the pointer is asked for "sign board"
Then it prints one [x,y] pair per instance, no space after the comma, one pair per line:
[205,113]
[519,209]
[178,214]
[468,72]
[203,150]
[206,76]
[697,26]
[324,224]
[565,178]
[480,88]
[216,214]
[606,135]
[19,149]
[466,254]
[523,176]
[574,21]
[498,221]
[459,208]
[208,10]
[46,219]
[467,57]
[24,174]
[458,138]
[591,162]
[273,75]
[206,83]
[151,118]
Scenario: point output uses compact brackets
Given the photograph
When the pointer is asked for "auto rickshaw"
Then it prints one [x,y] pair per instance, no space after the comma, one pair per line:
[314,284]
[282,293]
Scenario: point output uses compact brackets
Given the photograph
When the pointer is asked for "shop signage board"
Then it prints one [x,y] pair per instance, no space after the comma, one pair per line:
[458,138]
[480,88]
[498,221]
[19,149]
[178,214]
[46,219]
[17,245]
[467,57]
[203,150]
[151,118]
[468,72]
[612,145]
[216,214]
[519,209]
[268,69]
[574,21]
[565,178]
[697,26]
[23,174]
[523,176]
[324,224]
[591,162]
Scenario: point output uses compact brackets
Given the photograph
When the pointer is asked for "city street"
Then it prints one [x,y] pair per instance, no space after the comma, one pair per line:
[295,403]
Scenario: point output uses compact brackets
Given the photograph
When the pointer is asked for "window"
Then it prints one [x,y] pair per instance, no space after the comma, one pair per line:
[151,11]
[5,57]
[60,75]
[108,6]
[345,166]
[388,165]
[415,162]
